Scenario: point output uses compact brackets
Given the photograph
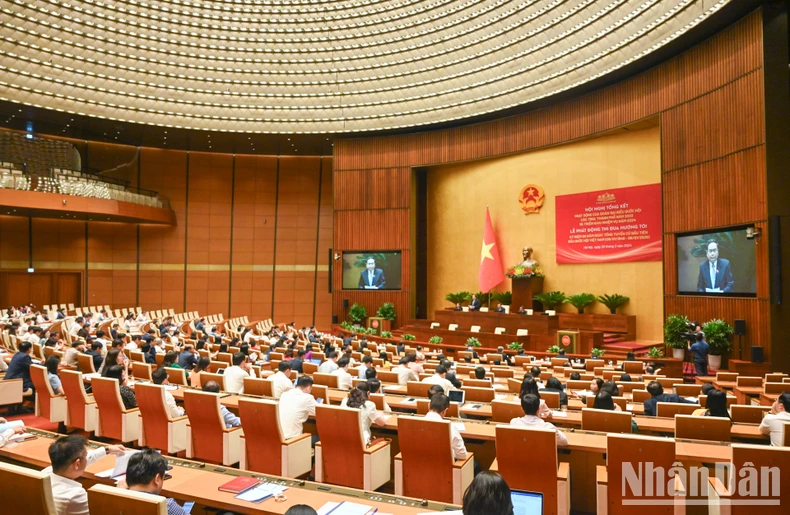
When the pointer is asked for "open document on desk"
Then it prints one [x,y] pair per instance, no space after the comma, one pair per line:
[348,508]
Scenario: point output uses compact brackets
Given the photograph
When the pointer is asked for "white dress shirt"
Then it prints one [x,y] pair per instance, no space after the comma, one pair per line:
[327,367]
[280,384]
[294,408]
[456,441]
[361,369]
[534,422]
[441,381]
[774,425]
[5,435]
[367,415]
[405,374]
[234,379]
[344,379]
[69,495]
[173,409]
[74,329]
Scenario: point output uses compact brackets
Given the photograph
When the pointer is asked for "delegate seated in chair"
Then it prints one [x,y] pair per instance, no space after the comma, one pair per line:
[657,395]
[530,403]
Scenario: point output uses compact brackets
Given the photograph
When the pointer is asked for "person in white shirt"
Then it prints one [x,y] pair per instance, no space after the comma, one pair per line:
[530,403]
[367,362]
[234,376]
[440,377]
[160,377]
[8,433]
[75,327]
[344,379]
[330,365]
[281,381]
[440,403]
[142,317]
[69,457]
[35,335]
[358,399]
[773,423]
[405,374]
[295,407]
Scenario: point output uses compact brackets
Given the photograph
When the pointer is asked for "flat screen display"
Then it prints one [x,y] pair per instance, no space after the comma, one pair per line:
[526,503]
[372,270]
[720,262]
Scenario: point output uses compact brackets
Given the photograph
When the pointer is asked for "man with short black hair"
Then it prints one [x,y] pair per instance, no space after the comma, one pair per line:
[160,377]
[657,395]
[295,407]
[96,354]
[330,365]
[69,457]
[146,472]
[530,404]
[434,389]
[700,348]
[234,375]
[297,363]
[405,374]
[439,405]
[188,359]
[344,379]
[439,377]
[774,423]
[70,356]
[367,363]
[19,367]
[281,380]
[480,373]
[229,418]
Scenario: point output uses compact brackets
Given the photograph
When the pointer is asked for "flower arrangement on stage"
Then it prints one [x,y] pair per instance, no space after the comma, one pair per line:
[520,272]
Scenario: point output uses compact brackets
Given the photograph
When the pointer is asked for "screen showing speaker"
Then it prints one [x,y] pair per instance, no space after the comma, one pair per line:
[372,270]
[720,262]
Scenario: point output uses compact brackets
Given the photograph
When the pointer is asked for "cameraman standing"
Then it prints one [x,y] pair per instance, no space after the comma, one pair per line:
[700,348]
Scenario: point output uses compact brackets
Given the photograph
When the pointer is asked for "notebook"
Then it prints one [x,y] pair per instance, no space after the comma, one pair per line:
[239,484]
[526,503]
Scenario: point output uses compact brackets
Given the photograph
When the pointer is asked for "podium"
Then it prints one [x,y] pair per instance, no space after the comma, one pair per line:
[523,289]
[379,324]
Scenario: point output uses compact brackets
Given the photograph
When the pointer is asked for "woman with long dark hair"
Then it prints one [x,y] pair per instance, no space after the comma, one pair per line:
[488,494]
[529,385]
[358,398]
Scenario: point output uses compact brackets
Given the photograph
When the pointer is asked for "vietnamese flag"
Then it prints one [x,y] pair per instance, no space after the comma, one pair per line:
[490,273]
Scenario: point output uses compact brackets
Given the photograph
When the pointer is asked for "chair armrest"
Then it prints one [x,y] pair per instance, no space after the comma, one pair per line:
[460,463]
[376,448]
[133,410]
[718,487]
[399,456]
[231,429]
[564,471]
[601,475]
[680,488]
[297,438]
[178,419]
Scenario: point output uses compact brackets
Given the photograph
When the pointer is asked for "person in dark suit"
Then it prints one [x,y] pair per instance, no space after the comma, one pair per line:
[458,307]
[522,310]
[347,340]
[371,278]
[500,308]
[60,315]
[19,368]
[475,304]
[298,361]
[657,395]
[715,273]
[201,325]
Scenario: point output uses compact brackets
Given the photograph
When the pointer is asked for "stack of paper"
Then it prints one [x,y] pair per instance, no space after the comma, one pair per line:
[346,508]
[261,492]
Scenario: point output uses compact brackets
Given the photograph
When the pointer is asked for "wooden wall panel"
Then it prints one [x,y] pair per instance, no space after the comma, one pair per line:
[710,101]
[724,191]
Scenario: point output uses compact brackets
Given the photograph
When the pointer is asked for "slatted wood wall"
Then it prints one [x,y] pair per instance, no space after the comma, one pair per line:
[710,100]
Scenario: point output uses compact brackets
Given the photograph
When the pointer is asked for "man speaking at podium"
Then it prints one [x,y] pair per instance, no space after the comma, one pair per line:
[715,274]
[371,278]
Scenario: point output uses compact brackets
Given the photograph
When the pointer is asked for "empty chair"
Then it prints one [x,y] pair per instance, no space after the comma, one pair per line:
[85,363]
[141,371]
[114,420]
[49,405]
[258,386]
[748,414]
[176,375]
[157,428]
[268,452]
[505,411]
[626,454]
[207,437]
[25,491]
[342,457]
[425,468]
[544,473]
[715,429]
[81,412]
[108,499]
[435,325]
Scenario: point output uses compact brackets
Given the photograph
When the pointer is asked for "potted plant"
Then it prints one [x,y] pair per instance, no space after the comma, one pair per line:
[717,333]
[655,353]
[550,300]
[554,349]
[580,301]
[674,329]
[436,340]
[597,353]
[346,325]
[460,297]
[357,313]
[613,301]
[386,334]
[483,298]
[387,312]
[516,346]
[504,297]
[409,337]
[473,342]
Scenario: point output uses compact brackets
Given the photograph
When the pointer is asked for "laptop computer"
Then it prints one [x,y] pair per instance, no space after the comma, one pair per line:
[316,361]
[526,503]
[457,396]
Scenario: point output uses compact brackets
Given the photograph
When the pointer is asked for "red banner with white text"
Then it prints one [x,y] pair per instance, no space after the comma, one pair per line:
[609,226]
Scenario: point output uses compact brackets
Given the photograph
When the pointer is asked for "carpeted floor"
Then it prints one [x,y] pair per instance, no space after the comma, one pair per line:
[31,420]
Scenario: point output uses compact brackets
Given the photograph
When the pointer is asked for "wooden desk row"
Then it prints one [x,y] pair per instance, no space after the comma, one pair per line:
[199,482]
